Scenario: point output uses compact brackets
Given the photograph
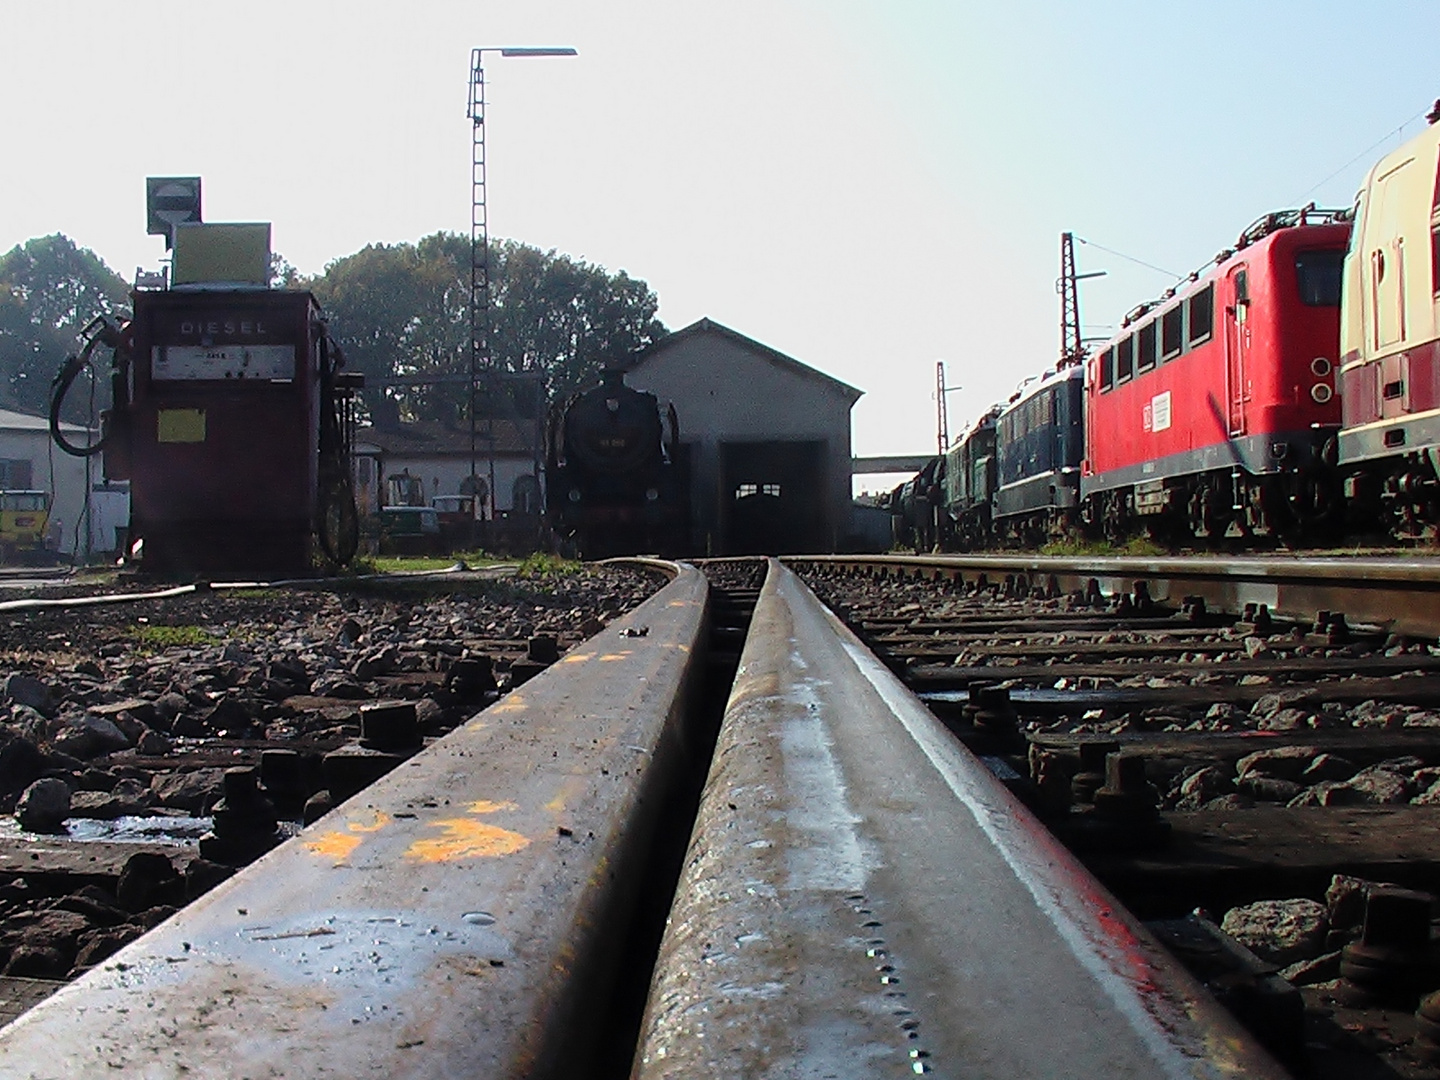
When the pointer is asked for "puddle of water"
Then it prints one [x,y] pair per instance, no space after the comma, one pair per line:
[177,829]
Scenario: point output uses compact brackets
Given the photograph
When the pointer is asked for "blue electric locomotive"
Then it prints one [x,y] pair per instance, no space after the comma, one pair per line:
[1040,443]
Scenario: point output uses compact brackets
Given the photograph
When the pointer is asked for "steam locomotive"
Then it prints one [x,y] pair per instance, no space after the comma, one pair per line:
[1291,389]
[616,483]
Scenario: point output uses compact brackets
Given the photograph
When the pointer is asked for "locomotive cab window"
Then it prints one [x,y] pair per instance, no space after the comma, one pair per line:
[1125,359]
[1172,332]
[1317,273]
[1145,342]
[1202,314]
[1107,369]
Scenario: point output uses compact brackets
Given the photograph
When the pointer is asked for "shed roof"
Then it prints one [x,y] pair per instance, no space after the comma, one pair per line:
[420,438]
[18,421]
[708,326]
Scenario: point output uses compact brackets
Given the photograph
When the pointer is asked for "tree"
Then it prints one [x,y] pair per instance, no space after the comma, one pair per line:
[49,290]
[371,299]
[403,311]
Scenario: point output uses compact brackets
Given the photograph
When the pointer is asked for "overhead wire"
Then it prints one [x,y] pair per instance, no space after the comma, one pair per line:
[1389,134]
[1128,258]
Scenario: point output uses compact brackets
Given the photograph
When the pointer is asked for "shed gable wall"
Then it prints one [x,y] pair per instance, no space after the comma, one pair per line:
[724,392]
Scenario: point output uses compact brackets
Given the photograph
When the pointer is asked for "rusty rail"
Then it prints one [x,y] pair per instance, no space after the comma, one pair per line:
[457,918]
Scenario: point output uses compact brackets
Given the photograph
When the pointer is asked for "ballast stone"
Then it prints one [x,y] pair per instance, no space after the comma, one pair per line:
[44,805]
[1280,931]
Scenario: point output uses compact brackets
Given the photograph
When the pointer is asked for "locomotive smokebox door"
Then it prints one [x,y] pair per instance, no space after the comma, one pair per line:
[224,415]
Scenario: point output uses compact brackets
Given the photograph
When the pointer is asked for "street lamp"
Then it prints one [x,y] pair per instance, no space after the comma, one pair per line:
[480,254]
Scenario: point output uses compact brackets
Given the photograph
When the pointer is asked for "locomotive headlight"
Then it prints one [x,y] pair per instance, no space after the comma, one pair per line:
[651,494]
[1320,393]
[574,495]
[1321,367]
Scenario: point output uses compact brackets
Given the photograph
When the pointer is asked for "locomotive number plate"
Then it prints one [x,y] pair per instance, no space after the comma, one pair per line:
[219,362]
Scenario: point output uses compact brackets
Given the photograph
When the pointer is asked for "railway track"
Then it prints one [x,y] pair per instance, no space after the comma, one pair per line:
[1248,761]
[855,892]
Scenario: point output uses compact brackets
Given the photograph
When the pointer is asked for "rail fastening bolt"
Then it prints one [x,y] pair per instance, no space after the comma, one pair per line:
[389,725]
[1393,957]
[1093,763]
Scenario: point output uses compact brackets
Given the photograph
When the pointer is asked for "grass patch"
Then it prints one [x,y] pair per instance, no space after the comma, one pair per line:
[256,594]
[155,637]
[1136,546]
[391,564]
[541,564]
[399,564]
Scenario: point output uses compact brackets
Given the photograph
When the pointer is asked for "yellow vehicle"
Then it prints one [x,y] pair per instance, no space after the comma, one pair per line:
[24,518]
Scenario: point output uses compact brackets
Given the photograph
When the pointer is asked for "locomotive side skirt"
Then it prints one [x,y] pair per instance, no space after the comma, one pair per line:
[1255,454]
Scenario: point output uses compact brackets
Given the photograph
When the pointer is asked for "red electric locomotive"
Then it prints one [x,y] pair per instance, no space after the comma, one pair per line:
[1209,412]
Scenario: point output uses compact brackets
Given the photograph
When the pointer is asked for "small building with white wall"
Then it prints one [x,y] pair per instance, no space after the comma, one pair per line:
[88,517]
[438,456]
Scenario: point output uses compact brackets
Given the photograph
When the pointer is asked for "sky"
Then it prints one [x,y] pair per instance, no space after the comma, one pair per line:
[869,186]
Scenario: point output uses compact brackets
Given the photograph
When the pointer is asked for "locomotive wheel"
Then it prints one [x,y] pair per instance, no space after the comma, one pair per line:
[1317,504]
[1200,512]
[1164,530]
[1113,518]
[1276,511]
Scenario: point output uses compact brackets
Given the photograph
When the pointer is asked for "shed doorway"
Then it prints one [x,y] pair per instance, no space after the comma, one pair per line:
[771,496]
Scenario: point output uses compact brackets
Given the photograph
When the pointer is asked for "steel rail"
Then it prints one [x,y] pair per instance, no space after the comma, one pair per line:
[1398,594]
[458,572]
[456,918]
[862,898]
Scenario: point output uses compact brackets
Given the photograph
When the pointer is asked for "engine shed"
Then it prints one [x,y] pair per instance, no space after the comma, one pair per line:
[767,439]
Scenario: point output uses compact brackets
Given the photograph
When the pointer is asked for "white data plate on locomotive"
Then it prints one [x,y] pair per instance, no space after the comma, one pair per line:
[222,362]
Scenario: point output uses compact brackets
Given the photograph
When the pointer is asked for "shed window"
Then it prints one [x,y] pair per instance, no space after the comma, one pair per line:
[1125,359]
[1145,342]
[14,473]
[1172,332]
[1202,314]
[1107,369]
